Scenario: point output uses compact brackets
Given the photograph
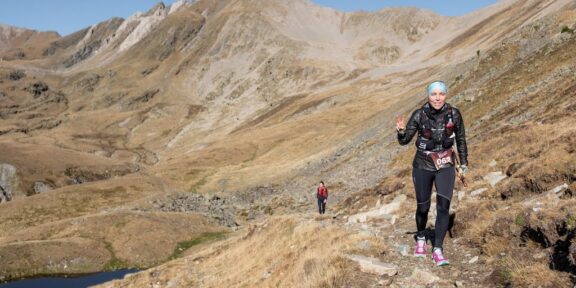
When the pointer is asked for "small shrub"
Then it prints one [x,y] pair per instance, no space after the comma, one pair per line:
[571,222]
[16,75]
[37,88]
[520,220]
[567,29]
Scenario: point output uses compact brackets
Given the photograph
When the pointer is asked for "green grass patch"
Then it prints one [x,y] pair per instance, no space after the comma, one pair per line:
[505,276]
[114,263]
[571,222]
[203,238]
[520,220]
[120,224]
[194,188]
[567,29]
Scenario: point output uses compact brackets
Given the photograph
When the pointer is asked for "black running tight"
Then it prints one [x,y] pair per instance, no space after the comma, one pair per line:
[444,182]
[322,205]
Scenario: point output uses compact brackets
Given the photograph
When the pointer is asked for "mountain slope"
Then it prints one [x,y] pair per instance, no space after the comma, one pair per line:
[238,108]
[18,43]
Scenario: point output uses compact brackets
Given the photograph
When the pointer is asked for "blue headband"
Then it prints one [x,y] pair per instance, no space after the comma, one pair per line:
[437,85]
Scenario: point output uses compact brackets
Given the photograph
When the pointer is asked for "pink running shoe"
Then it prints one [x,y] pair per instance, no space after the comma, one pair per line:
[439,258]
[420,249]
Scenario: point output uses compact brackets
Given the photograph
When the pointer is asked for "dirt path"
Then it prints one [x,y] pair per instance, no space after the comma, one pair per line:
[467,268]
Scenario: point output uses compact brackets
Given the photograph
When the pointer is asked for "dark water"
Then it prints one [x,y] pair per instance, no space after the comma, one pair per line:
[69,282]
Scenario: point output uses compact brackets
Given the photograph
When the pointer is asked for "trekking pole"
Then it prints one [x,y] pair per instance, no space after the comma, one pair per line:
[458,169]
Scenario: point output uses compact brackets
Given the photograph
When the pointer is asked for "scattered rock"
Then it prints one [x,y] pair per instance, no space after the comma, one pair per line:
[461,195]
[266,275]
[144,98]
[214,207]
[36,89]
[41,187]
[16,75]
[374,266]
[513,168]
[494,177]
[493,163]
[383,212]
[8,182]
[147,96]
[539,255]
[558,189]
[364,245]
[385,282]
[459,284]
[421,277]
[473,260]
[79,175]
[537,207]
[89,82]
[149,70]
[478,192]
[20,55]
[403,249]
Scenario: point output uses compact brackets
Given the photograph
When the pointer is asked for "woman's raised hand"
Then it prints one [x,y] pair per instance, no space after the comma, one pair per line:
[400,125]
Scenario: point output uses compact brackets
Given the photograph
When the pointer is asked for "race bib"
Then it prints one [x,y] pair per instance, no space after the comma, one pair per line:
[442,159]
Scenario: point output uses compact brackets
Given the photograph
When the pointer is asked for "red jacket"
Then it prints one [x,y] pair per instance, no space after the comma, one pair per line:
[322,191]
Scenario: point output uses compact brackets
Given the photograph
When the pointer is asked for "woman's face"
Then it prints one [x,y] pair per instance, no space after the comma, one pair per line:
[437,98]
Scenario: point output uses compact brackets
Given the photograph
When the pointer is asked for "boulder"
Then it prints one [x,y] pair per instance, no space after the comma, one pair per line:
[494,177]
[374,266]
[478,192]
[493,163]
[384,211]
[421,277]
[41,187]
[8,182]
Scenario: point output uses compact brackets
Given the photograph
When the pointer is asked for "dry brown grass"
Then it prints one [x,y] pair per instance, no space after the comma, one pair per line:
[523,274]
[284,251]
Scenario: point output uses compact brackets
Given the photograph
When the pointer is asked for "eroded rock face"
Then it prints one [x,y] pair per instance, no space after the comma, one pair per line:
[42,187]
[8,182]
[214,207]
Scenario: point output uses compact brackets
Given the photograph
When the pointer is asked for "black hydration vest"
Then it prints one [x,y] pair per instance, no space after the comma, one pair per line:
[436,135]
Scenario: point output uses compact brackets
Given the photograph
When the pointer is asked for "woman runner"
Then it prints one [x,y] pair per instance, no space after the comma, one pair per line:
[438,125]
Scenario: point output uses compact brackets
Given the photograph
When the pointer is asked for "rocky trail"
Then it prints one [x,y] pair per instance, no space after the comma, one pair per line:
[466,267]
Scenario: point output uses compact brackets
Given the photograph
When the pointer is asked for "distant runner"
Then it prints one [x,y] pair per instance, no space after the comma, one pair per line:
[438,125]
[322,195]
